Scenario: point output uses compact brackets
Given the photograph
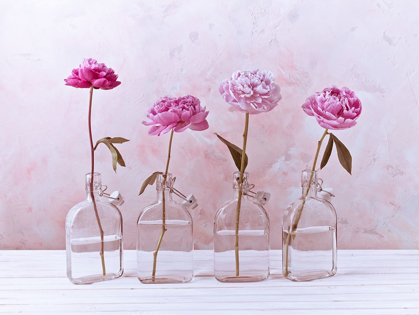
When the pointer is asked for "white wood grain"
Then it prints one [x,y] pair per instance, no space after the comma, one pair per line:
[368,282]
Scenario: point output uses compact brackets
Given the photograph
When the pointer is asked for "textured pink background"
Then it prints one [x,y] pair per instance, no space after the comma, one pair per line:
[181,47]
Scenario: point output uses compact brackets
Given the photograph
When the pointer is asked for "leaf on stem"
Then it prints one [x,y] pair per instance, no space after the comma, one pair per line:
[116,155]
[149,181]
[327,152]
[119,140]
[236,153]
[344,155]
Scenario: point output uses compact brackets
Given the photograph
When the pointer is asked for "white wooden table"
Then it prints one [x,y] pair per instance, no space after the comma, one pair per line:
[368,282]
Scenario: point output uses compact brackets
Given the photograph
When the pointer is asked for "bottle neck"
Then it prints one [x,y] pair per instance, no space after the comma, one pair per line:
[245,185]
[166,192]
[96,194]
[309,176]
[164,186]
[312,191]
[96,185]
[236,193]
[245,188]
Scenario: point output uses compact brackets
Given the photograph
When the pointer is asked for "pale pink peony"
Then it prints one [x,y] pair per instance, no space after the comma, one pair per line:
[252,92]
[334,108]
[91,73]
[178,114]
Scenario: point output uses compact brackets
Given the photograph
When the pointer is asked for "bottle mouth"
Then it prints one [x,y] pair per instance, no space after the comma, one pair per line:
[94,174]
[236,179]
[169,181]
[236,176]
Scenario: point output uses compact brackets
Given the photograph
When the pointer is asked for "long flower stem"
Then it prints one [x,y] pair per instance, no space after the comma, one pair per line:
[92,150]
[239,201]
[300,209]
[163,227]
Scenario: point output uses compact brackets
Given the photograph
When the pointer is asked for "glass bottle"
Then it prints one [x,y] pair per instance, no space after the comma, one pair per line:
[253,237]
[84,243]
[174,256]
[309,252]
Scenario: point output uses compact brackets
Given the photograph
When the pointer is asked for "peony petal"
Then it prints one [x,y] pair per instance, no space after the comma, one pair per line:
[199,117]
[328,115]
[167,118]
[182,126]
[84,84]
[100,83]
[307,109]
[168,128]
[186,115]
[325,125]
[155,130]
[203,125]
[77,83]
[260,89]
[349,115]
[148,123]
[112,85]
[275,96]
[87,74]
[335,124]
[222,88]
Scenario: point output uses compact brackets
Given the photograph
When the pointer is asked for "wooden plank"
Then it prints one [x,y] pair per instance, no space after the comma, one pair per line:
[130,310]
[392,283]
[368,282]
[111,305]
[178,296]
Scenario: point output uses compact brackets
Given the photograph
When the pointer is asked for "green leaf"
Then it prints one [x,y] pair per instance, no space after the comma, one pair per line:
[236,153]
[344,155]
[327,152]
[149,181]
[116,155]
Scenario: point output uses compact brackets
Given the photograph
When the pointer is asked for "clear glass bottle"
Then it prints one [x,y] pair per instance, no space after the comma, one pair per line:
[309,252]
[253,237]
[84,243]
[174,259]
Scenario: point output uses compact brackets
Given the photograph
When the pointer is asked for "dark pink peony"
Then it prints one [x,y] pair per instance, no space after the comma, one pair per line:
[178,114]
[334,108]
[252,92]
[91,73]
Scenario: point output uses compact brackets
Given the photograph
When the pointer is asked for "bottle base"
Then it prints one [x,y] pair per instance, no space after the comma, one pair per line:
[164,280]
[96,278]
[309,275]
[234,279]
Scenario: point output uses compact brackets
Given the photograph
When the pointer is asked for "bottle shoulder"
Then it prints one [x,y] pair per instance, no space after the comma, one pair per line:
[314,210]
[311,201]
[173,211]
[247,207]
[252,217]
[86,208]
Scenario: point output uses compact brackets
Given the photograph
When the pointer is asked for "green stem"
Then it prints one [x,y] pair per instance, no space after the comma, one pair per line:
[239,201]
[163,227]
[300,209]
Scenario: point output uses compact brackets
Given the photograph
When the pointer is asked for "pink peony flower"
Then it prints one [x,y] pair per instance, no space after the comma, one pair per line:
[334,108]
[252,92]
[91,73]
[178,114]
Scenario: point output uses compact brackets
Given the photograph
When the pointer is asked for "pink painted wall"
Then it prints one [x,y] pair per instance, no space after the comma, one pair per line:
[181,47]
